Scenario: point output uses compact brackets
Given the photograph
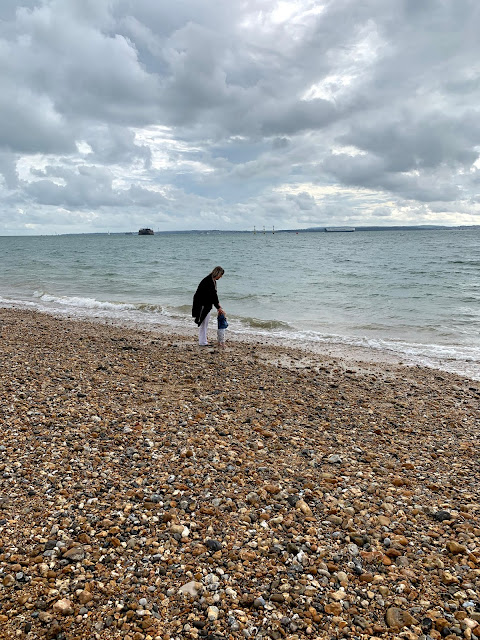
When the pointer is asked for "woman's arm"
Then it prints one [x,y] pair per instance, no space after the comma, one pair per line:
[214,295]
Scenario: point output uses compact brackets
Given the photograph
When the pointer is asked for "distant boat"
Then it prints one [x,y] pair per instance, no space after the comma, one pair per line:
[339,228]
[145,232]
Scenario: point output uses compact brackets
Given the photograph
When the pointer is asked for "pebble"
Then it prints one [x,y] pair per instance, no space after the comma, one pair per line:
[63,607]
[454,547]
[334,459]
[76,554]
[213,613]
[154,492]
[397,618]
[192,588]
[84,597]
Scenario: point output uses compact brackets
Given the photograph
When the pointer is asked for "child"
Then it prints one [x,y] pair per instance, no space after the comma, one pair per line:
[222,325]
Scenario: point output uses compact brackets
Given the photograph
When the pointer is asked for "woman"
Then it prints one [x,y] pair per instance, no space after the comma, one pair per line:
[204,299]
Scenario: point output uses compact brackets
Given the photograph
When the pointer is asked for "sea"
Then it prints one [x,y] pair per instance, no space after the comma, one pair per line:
[410,294]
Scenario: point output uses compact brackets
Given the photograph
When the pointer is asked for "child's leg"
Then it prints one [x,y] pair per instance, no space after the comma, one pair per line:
[221,337]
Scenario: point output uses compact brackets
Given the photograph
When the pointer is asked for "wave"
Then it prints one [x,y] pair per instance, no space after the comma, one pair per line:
[460,359]
[184,309]
[470,263]
[85,305]
[456,358]
[257,323]
[81,303]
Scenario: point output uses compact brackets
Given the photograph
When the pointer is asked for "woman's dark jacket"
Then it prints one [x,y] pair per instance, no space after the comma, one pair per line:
[204,299]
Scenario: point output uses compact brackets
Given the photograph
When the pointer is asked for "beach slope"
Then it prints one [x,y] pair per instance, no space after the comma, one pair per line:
[153,489]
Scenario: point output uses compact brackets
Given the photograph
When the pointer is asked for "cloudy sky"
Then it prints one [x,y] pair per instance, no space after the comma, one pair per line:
[215,114]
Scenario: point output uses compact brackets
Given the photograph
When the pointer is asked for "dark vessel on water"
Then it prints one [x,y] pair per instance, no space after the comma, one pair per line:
[145,232]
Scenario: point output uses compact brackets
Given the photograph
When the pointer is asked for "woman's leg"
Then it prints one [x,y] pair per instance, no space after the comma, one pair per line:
[202,331]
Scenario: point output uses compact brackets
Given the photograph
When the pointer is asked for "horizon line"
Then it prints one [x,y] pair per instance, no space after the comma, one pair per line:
[263,230]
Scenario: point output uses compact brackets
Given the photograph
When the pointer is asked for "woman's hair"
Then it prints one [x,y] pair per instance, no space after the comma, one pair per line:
[217,272]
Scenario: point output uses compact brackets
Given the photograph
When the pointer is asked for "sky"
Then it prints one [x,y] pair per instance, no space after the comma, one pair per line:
[208,114]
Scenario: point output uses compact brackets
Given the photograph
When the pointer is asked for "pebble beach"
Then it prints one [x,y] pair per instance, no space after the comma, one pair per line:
[151,489]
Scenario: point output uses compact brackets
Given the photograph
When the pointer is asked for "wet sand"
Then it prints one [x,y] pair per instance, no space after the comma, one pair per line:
[150,488]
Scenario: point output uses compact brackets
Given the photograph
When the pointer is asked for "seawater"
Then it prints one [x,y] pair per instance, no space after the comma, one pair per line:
[414,293]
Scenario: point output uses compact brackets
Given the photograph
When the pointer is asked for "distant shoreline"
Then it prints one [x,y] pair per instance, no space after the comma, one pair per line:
[258,231]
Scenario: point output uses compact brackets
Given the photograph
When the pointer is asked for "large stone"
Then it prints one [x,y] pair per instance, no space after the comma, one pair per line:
[191,588]
[75,554]
[213,613]
[397,618]
[304,508]
[84,597]
[456,548]
[63,607]
[333,608]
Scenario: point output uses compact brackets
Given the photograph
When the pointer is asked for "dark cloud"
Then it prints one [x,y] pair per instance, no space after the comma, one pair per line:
[86,188]
[371,172]
[29,123]
[419,144]
[116,145]
[304,201]
[300,116]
